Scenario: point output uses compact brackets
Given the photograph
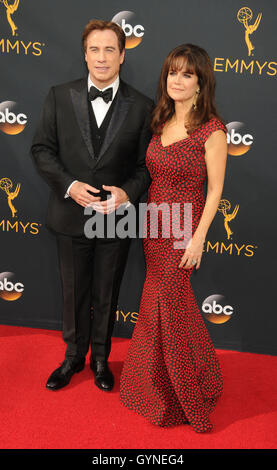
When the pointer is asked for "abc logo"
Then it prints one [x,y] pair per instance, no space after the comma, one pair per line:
[11,122]
[238,139]
[134,34]
[215,309]
[9,289]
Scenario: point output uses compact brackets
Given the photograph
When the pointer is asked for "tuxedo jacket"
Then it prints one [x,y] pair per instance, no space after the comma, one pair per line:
[62,149]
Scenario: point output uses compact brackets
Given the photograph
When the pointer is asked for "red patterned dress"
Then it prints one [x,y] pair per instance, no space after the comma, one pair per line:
[171,374]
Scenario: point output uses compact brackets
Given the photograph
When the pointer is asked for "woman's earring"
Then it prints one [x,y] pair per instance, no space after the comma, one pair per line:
[194,105]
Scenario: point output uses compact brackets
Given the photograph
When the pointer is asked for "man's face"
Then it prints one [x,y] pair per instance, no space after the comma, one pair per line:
[103,57]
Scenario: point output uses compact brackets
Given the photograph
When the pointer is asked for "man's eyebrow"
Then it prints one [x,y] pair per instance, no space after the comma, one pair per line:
[96,47]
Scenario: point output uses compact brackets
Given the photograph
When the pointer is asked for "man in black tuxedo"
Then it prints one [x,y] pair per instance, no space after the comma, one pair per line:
[91,142]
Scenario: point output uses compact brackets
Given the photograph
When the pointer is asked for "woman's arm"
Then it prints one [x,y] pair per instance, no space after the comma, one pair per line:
[216,156]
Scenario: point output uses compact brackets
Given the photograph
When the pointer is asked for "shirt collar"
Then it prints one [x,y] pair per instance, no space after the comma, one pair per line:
[113,85]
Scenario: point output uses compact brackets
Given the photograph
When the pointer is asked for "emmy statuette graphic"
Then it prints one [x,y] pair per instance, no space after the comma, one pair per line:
[244,15]
[223,207]
[10,9]
[6,186]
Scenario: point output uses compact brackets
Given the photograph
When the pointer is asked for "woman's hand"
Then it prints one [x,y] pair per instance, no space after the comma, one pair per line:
[193,253]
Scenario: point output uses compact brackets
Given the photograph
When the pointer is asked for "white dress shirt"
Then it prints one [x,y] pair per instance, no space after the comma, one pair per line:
[99,106]
[100,109]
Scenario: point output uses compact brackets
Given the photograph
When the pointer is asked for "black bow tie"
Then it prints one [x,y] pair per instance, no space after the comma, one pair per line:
[107,95]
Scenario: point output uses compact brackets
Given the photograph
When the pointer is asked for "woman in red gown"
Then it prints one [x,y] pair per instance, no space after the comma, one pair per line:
[171,374]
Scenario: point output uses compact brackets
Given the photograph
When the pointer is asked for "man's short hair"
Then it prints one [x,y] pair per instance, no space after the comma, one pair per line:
[102,25]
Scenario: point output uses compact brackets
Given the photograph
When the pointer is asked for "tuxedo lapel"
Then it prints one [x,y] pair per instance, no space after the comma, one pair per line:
[80,103]
[120,111]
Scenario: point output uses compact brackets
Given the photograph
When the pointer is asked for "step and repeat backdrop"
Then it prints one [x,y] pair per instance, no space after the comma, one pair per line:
[40,46]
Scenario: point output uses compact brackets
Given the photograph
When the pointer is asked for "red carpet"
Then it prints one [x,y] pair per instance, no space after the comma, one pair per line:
[82,417]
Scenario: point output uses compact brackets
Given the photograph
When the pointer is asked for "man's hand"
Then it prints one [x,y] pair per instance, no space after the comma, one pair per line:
[118,197]
[79,192]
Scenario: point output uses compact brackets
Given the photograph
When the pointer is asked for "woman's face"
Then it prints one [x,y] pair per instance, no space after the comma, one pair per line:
[182,85]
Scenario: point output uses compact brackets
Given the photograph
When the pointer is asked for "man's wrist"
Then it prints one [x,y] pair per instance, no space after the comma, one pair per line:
[68,189]
[126,198]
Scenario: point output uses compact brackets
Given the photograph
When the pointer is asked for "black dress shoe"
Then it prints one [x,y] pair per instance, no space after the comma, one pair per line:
[62,376]
[103,377]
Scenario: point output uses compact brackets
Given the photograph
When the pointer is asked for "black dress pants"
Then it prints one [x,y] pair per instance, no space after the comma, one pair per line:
[91,274]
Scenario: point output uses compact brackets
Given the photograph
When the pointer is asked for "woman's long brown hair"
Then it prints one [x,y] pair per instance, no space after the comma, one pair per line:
[197,61]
